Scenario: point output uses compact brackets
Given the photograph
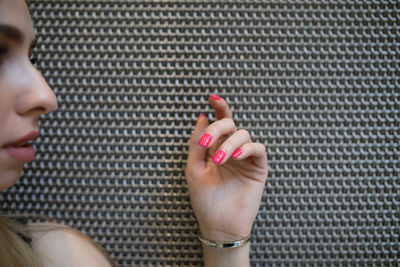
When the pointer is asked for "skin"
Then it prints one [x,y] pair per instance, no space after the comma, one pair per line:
[24,94]
[225,196]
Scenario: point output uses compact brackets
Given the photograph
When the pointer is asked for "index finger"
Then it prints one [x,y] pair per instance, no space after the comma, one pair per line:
[220,106]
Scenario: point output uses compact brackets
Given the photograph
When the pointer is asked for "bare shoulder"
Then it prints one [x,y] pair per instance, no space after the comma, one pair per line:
[59,245]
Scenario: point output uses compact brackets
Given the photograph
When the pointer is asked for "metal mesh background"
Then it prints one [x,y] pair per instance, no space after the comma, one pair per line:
[316,82]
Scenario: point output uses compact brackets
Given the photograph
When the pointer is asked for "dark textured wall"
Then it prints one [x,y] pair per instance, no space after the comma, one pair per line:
[316,82]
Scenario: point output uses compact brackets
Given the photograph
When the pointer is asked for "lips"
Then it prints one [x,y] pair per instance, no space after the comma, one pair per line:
[23,153]
[20,149]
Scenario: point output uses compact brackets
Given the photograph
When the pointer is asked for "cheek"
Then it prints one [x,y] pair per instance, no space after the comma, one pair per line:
[10,170]
[7,99]
[4,102]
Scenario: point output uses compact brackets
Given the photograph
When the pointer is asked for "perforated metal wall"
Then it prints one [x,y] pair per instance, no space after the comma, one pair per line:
[316,82]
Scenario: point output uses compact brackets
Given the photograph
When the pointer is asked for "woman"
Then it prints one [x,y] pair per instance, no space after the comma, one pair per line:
[225,172]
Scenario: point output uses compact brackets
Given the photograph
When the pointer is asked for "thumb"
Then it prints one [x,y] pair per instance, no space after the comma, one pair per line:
[197,154]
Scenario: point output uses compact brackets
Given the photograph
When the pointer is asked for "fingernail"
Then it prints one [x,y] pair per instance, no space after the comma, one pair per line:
[201,115]
[205,140]
[236,153]
[219,156]
[215,97]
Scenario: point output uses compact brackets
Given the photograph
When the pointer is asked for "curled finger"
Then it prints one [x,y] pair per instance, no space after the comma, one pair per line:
[226,149]
[255,150]
[217,129]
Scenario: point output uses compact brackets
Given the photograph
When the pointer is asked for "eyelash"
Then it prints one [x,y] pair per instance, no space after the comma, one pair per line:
[33,59]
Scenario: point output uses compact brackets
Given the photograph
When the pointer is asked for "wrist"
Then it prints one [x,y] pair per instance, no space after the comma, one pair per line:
[232,257]
[225,244]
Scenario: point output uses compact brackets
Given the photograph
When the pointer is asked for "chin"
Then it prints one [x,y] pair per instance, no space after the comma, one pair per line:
[9,178]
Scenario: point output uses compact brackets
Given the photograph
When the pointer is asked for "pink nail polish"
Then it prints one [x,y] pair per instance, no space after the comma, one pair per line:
[219,156]
[236,153]
[215,97]
[205,140]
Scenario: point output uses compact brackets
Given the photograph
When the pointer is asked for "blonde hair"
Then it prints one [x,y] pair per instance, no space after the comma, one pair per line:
[15,251]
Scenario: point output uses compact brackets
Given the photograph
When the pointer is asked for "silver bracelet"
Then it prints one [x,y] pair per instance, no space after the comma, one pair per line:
[225,244]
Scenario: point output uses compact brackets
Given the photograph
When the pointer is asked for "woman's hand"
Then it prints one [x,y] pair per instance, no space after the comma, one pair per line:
[225,174]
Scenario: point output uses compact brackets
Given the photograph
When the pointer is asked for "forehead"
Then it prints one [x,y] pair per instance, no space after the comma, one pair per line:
[15,13]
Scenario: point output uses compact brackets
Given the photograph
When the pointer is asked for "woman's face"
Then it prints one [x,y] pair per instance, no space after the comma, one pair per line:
[24,94]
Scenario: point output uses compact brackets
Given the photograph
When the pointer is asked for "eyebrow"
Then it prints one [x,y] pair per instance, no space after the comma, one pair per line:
[15,34]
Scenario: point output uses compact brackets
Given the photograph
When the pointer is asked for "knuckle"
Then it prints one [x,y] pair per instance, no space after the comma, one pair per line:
[210,128]
[227,146]
[232,122]
[261,147]
[244,132]
[228,121]
[213,127]
[264,147]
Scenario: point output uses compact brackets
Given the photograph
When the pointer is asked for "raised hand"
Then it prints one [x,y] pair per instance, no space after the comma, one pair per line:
[226,173]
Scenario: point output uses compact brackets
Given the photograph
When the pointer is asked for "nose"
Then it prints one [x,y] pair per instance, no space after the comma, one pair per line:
[36,96]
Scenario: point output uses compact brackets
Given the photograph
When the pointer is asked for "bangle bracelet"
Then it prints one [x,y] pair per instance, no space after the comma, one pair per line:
[225,244]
